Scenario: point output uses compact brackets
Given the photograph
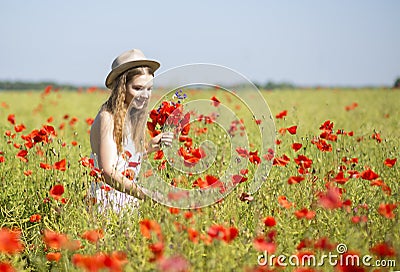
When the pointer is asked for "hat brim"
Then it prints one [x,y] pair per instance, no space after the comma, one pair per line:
[154,65]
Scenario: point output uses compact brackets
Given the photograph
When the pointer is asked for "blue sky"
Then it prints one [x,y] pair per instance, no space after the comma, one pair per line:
[304,42]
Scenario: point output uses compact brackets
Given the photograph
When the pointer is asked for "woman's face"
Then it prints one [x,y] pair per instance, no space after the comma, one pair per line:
[138,90]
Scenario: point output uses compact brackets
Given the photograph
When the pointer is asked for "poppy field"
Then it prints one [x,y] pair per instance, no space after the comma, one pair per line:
[334,181]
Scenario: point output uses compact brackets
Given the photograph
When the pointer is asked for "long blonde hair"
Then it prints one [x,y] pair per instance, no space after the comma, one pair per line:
[116,106]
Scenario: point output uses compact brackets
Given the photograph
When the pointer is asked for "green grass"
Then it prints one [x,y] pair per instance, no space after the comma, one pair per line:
[377,112]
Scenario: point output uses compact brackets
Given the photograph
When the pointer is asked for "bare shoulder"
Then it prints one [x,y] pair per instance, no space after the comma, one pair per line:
[102,128]
[104,121]
[105,117]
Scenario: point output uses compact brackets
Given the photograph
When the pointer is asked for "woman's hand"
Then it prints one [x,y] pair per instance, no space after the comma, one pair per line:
[164,138]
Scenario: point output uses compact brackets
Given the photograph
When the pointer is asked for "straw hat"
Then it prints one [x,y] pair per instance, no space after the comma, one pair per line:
[127,60]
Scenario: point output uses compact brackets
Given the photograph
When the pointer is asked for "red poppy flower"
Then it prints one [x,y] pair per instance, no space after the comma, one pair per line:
[377,137]
[351,107]
[281,114]
[384,186]
[133,164]
[350,161]
[383,250]
[147,226]
[219,232]
[322,145]
[19,128]
[188,215]
[50,119]
[295,179]
[230,234]
[6,267]
[73,121]
[47,90]
[305,213]
[236,179]
[129,174]
[304,243]
[323,243]
[28,172]
[11,119]
[56,191]
[89,121]
[2,159]
[340,178]
[296,146]
[191,156]
[327,127]
[99,261]
[60,165]
[282,200]
[269,221]
[358,219]
[158,251]
[159,155]
[22,155]
[35,218]
[87,162]
[53,256]
[386,189]
[89,263]
[151,126]
[254,158]
[173,210]
[292,130]
[185,130]
[48,131]
[17,146]
[390,162]
[270,155]
[209,181]
[93,235]
[369,174]
[10,242]
[95,172]
[330,199]
[105,188]
[216,101]
[386,210]
[282,161]
[54,240]
[282,131]
[303,161]
[46,166]
[242,152]
[261,244]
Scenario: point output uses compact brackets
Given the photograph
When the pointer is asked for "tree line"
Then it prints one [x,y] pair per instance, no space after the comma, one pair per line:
[27,85]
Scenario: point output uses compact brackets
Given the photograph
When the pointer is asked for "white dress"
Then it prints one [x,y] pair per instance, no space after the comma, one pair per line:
[107,197]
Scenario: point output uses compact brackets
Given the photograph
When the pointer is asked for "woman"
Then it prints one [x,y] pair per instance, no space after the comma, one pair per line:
[118,131]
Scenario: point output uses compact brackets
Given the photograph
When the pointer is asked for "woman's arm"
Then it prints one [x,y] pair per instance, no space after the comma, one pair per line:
[108,156]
